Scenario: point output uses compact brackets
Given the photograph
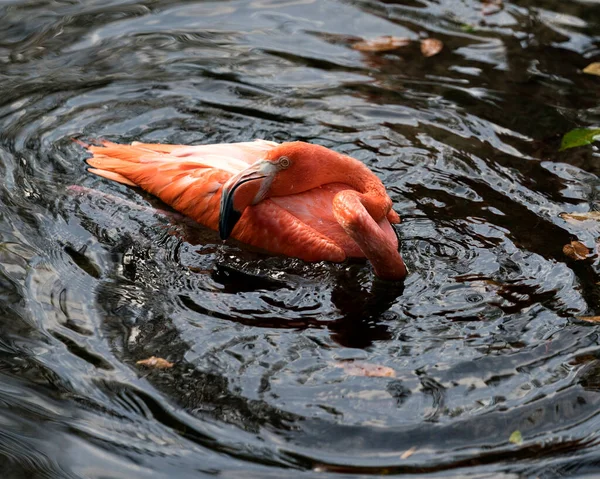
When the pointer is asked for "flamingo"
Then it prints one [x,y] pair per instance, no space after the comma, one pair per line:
[296,199]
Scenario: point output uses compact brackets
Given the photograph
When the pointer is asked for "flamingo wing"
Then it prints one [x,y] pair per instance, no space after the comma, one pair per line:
[190,182]
[232,157]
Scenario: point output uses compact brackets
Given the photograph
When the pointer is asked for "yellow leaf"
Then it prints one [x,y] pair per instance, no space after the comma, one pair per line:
[155,363]
[516,437]
[592,69]
[431,46]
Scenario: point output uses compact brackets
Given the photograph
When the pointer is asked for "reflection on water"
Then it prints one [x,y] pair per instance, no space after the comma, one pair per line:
[483,336]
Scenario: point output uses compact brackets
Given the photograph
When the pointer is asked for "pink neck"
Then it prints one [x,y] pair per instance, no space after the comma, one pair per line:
[383,254]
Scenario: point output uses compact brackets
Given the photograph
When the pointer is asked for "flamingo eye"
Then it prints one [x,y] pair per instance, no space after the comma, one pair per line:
[284,162]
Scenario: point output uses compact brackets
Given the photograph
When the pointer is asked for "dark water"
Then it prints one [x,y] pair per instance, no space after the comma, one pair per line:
[483,337]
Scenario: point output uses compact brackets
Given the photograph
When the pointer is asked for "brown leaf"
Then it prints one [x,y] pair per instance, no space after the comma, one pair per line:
[491,6]
[431,46]
[366,369]
[589,319]
[576,250]
[409,452]
[381,44]
[155,363]
[592,69]
[590,215]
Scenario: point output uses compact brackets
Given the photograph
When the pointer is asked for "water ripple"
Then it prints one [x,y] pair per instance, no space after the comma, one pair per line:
[481,341]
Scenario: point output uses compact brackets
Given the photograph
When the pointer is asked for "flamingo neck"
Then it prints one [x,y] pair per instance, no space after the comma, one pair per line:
[358,223]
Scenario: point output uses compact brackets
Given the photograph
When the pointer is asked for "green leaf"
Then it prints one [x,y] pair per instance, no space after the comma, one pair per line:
[516,437]
[579,137]
[468,28]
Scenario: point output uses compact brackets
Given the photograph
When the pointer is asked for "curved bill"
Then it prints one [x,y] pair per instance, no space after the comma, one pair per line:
[229,215]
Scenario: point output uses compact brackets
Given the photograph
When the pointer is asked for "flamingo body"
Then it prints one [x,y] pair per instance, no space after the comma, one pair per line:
[296,214]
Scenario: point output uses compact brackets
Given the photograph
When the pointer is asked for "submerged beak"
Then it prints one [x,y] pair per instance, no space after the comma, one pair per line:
[246,188]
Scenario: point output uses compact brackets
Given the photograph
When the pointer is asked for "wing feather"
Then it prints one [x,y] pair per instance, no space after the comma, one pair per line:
[190,179]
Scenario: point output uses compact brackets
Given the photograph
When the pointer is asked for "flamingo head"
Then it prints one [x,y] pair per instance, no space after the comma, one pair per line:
[292,168]
[284,171]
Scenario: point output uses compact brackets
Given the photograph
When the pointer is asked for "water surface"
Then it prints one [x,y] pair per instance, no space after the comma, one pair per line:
[483,336]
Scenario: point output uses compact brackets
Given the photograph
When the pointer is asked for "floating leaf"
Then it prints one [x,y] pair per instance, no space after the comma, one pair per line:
[431,46]
[579,137]
[155,363]
[589,215]
[491,6]
[592,69]
[576,250]
[409,452]
[366,369]
[381,44]
[589,319]
[516,437]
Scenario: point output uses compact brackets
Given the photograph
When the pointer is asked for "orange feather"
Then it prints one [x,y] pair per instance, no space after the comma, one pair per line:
[303,224]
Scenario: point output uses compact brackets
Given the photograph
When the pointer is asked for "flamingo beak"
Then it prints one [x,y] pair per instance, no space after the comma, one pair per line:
[246,188]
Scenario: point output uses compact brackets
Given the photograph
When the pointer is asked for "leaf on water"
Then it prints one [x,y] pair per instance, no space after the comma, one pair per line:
[516,437]
[155,363]
[589,319]
[579,137]
[592,69]
[576,250]
[366,369]
[431,47]
[491,6]
[574,217]
[409,452]
[381,44]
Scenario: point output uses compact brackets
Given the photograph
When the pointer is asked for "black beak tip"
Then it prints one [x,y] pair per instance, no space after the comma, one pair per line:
[222,234]
[228,215]
[227,222]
